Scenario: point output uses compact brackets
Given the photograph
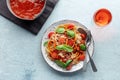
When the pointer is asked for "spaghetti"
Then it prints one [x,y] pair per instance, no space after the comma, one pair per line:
[66,46]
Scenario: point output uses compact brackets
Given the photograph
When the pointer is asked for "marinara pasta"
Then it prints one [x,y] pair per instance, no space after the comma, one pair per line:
[66,46]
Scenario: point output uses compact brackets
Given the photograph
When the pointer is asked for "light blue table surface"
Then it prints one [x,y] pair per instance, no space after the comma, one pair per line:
[21,58]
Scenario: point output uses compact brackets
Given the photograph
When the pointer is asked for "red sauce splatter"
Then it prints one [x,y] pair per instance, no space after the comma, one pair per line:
[27,9]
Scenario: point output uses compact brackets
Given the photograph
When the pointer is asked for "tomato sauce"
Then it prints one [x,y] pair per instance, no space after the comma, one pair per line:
[27,9]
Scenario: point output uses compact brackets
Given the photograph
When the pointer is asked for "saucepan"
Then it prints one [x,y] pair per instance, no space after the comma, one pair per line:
[26,9]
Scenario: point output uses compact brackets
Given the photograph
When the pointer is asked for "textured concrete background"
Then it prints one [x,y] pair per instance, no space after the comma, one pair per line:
[21,59]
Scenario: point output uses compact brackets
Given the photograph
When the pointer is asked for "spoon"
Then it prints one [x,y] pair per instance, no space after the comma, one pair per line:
[88,41]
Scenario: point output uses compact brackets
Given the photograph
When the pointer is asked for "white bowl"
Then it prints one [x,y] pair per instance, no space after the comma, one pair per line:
[9,7]
[76,67]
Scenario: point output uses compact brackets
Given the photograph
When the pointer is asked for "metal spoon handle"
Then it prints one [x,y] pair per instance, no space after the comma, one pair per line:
[92,63]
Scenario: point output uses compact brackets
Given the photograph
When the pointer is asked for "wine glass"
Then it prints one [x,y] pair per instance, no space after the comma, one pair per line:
[102,17]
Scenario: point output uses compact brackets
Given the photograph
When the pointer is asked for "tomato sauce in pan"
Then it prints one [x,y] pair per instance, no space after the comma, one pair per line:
[27,9]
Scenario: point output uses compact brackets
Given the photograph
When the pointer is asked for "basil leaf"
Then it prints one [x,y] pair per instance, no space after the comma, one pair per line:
[83,47]
[60,47]
[68,62]
[64,47]
[45,43]
[60,30]
[68,48]
[60,63]
[71,33]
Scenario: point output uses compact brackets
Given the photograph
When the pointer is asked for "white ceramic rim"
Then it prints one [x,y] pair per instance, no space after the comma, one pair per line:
[54,65]
[9,7]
